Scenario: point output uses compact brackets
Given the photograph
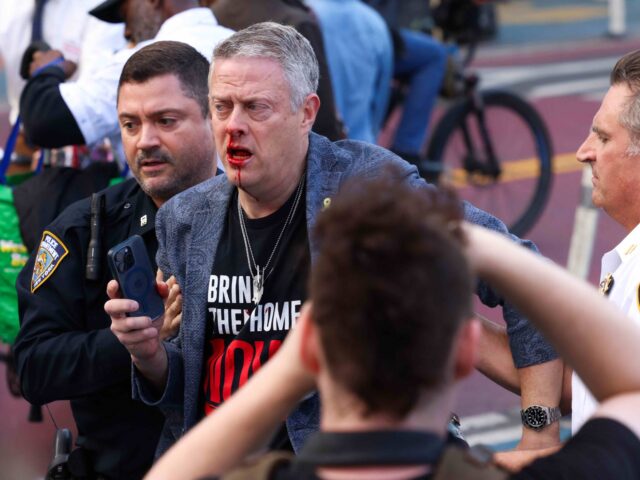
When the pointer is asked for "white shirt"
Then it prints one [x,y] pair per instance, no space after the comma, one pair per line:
[92,99]
[623,264]
[66,26]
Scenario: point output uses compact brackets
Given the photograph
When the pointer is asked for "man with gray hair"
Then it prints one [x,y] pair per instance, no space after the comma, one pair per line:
[239,245]
[612,149]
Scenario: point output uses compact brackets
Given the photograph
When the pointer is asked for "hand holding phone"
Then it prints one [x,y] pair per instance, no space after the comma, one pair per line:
[130,265]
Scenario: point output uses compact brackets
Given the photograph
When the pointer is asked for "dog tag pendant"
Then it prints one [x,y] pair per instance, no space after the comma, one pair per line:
[258,286]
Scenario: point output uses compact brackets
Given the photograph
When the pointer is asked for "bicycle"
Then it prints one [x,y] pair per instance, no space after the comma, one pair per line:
[491,145]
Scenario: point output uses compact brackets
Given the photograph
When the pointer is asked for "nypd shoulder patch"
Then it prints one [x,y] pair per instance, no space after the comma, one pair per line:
[50,254]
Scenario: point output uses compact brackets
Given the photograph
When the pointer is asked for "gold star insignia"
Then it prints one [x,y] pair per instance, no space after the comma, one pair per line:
[606,285]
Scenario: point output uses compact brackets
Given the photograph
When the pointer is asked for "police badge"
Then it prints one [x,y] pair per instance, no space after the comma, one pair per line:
[50,254]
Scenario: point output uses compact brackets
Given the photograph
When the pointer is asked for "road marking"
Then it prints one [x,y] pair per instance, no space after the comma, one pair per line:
[495,436]
[571,87]
[484,420]
[566,163]
[499,77]
[515,170]
[524,13]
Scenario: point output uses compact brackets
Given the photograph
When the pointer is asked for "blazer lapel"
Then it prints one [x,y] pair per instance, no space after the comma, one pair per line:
[206,228]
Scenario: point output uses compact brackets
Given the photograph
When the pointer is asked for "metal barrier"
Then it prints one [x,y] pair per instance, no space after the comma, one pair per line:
[584,229]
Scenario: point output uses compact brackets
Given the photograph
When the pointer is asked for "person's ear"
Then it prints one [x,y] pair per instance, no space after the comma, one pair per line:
[466,346]
[310,341]
[310,109]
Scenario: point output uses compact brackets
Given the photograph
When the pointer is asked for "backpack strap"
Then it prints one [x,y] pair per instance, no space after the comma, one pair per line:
[474,463]
[260,468]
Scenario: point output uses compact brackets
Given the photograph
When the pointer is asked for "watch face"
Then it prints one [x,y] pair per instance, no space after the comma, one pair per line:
[534,417]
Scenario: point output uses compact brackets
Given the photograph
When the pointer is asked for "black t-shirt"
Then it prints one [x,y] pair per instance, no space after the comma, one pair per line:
[242,336]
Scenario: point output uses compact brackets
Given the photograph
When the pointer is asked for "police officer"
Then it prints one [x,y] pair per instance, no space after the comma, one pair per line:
[65,349]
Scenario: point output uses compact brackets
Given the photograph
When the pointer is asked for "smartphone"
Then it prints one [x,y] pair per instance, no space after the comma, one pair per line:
[130,265]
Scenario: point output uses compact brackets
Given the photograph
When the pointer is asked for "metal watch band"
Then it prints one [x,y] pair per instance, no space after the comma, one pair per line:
[554,414]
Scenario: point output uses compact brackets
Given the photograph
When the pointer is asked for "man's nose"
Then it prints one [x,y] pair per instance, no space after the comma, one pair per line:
[236,123]
[586,152]
[148,137]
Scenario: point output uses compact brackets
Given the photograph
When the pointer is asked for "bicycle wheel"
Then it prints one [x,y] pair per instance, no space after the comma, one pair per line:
[517,190]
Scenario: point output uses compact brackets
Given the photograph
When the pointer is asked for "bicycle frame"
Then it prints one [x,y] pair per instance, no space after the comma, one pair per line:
[488,165]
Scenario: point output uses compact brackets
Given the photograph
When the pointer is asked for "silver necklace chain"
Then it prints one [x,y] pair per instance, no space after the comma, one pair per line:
[259,278]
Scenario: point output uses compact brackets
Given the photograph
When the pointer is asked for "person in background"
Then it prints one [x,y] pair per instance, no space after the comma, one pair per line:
[360,57]
[31,26]
[420,61]
[57,112]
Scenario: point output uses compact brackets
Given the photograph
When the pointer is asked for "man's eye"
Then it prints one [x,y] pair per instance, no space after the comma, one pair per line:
[256,107]
[128,126]
[167,122]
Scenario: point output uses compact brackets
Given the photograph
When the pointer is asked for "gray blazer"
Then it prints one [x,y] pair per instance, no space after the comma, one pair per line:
[188,229]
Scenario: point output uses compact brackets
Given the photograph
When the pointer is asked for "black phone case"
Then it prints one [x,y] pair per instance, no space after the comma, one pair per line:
[130,266]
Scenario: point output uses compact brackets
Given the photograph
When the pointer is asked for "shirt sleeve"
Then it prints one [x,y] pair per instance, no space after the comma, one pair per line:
[46,118]
[92,98]
[383,81]
[528,346]
[603,448]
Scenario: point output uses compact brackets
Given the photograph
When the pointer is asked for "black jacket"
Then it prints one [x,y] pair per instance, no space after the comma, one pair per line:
[65,349]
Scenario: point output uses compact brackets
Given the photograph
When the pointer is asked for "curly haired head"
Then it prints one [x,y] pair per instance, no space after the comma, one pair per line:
[390,288]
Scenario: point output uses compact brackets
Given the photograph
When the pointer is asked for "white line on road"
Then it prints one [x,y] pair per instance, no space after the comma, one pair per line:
[494,77]
[484,420]
[494,437]
[570,87]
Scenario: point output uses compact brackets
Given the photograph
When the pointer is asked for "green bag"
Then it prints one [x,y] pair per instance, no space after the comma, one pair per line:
[13,256]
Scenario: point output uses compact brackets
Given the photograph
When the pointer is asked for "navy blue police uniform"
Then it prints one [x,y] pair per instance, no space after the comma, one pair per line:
[65,349]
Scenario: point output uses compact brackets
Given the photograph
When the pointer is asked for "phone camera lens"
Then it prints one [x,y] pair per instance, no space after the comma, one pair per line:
[128,258]
[124,259]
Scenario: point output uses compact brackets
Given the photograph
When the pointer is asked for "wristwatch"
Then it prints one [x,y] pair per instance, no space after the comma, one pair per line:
[537,417]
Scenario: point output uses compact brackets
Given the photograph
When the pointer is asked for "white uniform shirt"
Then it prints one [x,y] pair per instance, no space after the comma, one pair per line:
[623,264]
[92,99]
[66,26]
